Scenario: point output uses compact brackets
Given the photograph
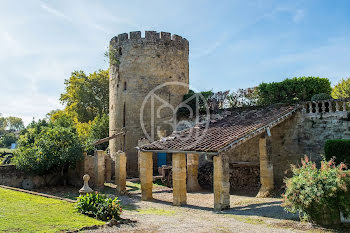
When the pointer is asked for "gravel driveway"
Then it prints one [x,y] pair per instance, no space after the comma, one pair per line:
[247,214]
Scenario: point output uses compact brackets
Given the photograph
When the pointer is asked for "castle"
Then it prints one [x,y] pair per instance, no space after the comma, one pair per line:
[140,66]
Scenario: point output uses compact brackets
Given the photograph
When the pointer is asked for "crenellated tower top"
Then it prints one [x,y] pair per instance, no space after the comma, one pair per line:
[150,37]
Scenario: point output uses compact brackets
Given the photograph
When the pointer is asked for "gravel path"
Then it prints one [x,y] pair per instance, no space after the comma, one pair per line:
[247,214]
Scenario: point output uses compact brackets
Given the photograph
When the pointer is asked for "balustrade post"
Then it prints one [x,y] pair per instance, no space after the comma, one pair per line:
[336,106]
[323,106]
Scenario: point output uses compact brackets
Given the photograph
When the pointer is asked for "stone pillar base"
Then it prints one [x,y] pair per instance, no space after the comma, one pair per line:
[221,184]
[99,167]
[266,168]
[146,175]
[192,173]
[120,172]
[108,163]
[179,179]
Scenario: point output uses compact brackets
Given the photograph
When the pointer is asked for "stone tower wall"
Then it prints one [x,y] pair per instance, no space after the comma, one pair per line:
[137,66]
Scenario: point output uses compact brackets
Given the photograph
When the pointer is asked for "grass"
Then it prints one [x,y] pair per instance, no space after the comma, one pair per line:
[249,220]
[22,212]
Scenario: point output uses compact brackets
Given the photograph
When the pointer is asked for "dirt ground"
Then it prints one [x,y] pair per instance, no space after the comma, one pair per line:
[247,213]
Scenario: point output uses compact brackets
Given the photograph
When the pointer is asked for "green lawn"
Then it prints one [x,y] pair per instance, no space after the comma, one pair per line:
[22,212]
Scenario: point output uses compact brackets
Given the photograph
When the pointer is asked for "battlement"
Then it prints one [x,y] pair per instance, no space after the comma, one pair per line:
[150,36]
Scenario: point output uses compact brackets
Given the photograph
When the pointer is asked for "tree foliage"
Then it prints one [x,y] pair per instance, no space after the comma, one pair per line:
[338,148]
[48,147]
[14,123]
[342,89]
[86,96]
[292,90]
[243,97]
[7,139]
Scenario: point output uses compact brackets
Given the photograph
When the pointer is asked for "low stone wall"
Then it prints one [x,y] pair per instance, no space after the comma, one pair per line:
[10,176]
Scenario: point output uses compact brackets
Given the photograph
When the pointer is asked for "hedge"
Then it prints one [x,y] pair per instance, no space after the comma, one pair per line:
[292,90]
[339,148]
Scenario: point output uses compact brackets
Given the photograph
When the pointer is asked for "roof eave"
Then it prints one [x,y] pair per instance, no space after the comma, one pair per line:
[179,151]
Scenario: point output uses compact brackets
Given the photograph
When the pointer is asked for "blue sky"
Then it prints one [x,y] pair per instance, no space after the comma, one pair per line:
[233,44]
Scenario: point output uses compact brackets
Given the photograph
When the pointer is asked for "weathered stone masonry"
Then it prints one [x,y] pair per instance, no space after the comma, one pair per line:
[138,65]
[305,133]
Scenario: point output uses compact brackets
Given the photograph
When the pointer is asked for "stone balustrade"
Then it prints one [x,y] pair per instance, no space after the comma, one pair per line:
[326,106]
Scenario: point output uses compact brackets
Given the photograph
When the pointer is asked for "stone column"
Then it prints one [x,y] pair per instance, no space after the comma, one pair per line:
[179,179]
[192,172]
[108,163]
[120,172]
[266,167]
[221,183]
[146,175]
[99,167]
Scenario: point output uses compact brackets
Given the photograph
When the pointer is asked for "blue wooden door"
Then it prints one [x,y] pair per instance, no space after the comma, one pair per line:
[161,159]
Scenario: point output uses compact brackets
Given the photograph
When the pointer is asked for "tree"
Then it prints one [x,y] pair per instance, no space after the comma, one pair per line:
[14,123]
[342,89]
[8,139]
[2,124]
[292,90]
[99,130]
[48,148]
[86,96]
[243,97]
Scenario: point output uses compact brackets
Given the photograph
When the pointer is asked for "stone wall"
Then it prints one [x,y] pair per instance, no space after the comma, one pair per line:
[305,133]
[10,176]
[138,66]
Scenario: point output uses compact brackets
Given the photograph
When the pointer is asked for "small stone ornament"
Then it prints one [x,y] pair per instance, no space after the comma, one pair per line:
[86,189]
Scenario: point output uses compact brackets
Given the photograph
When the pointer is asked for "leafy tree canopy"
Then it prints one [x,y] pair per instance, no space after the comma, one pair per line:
[342,89]
[48,147]
[86,96]
[14,123]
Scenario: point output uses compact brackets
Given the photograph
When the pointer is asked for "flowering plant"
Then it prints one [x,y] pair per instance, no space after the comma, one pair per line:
[318,194]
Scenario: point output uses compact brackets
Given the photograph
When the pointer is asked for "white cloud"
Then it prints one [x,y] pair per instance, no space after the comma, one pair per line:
[54,11]
[28,105]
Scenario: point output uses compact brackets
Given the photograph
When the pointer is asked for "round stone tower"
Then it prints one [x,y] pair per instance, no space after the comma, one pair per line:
[145,74]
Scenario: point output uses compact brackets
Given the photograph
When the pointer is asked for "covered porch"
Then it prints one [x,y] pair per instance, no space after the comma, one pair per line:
[214,142]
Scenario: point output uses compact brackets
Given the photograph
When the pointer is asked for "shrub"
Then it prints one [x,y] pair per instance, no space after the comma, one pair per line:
[321,96]
[318,195]
[292,90]
[51,149]
[99,206]
[338,148]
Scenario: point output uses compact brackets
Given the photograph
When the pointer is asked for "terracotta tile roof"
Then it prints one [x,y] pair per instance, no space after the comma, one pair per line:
[231,131]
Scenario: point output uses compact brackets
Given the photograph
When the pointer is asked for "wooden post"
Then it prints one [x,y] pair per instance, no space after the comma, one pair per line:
[266,167]
[179,179]
[146,175]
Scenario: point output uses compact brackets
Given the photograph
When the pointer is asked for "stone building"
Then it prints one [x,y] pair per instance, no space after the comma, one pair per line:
[140,69]
[273,137]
